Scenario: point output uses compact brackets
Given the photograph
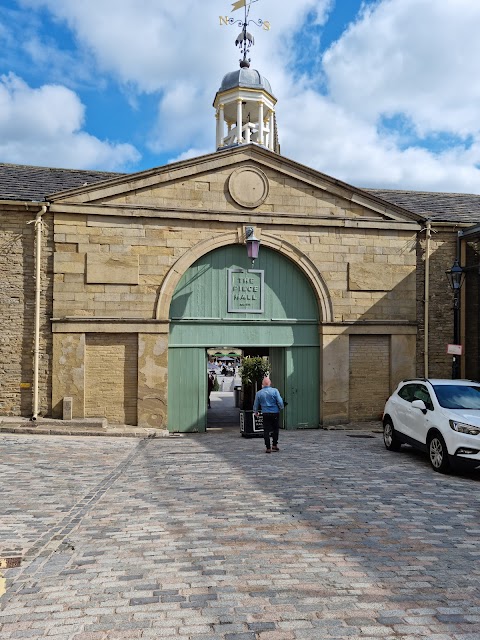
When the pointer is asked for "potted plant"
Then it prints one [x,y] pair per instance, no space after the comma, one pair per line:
[252,372]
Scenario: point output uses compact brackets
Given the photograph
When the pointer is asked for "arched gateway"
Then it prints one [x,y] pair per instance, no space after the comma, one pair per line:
[222,300]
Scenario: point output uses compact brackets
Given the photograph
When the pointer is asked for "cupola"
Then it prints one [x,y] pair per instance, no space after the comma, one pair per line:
[245,104]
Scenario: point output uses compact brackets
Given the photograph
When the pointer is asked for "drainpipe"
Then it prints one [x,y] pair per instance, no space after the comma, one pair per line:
[36,341]
[428,235]
[461,253]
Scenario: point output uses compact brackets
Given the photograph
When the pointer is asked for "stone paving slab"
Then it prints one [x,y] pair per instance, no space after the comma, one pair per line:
[207,537]
[220,420]
[77,427]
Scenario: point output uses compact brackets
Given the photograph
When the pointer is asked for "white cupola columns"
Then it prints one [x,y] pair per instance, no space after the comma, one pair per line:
[239,121]
[248,119]
[220,116]
[247,111]
[261,123]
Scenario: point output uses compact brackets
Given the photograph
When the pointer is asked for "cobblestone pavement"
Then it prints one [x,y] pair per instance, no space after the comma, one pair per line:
[204,537]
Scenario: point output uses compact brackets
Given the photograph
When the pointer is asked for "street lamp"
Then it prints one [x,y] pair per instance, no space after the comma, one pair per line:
[253,244]
[456,278]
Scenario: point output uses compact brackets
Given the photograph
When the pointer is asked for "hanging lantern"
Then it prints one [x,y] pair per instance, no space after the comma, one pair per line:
[253,244]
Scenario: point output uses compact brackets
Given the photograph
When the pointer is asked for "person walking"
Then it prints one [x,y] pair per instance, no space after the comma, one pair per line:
[211,385]
[269,401]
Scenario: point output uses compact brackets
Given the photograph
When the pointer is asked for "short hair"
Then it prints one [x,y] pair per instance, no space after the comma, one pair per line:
[266,382]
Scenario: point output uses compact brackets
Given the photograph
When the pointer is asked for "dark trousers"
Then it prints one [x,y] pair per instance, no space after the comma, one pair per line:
[270,428]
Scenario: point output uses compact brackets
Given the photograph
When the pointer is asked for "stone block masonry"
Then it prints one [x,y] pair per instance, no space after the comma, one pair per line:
[369,379]
[17,298]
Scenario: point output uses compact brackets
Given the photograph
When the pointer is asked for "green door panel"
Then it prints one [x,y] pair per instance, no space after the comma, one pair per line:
[253,334]
[202,290]
[302,389]
[187,390]
[277,374]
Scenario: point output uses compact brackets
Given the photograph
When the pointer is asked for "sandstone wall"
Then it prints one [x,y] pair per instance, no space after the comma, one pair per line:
[113,266]
[442,255]
[17,299]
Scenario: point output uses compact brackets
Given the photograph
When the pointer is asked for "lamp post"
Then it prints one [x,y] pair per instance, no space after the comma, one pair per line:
[253,244]
[456,277]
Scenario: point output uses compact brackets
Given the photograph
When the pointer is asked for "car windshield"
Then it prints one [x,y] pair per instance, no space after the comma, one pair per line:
[455,396]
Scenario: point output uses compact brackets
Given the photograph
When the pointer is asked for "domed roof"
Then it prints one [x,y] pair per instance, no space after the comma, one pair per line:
[246,78]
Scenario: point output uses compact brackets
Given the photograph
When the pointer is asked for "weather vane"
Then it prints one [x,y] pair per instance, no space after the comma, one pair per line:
[244,39]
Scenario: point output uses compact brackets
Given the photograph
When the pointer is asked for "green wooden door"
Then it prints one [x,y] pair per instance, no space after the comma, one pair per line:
[277,374]
[302,388]
[187,390]
[202,316]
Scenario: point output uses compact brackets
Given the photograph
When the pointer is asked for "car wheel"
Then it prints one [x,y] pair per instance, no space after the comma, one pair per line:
[390,439]
[438,454]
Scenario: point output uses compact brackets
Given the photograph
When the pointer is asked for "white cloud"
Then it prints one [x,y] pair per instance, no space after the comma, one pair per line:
[185,116]
[411,59]
[173,49]
[415,57]
[155,44]
[333,140]
[44,126]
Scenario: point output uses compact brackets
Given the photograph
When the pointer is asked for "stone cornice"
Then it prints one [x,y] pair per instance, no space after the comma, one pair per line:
[77,324]
[247,216]
[366,327]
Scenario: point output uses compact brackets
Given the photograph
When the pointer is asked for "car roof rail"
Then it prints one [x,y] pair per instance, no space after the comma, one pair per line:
[415,378]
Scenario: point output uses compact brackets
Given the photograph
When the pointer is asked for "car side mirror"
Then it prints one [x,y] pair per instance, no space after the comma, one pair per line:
[420,404]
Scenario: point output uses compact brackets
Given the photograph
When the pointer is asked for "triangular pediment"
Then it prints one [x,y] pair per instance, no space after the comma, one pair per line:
[244,179]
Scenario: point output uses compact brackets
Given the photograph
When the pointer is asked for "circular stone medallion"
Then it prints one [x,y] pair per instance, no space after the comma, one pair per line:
[248,186]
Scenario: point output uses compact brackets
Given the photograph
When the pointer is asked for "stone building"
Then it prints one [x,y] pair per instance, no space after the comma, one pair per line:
[114,286]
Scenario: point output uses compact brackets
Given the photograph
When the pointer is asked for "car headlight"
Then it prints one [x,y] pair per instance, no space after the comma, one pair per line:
[461,427]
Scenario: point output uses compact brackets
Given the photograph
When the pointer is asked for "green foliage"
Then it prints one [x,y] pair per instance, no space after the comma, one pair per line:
[252,372]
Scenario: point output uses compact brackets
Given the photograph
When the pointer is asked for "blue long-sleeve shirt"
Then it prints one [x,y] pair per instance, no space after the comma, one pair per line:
[268,400]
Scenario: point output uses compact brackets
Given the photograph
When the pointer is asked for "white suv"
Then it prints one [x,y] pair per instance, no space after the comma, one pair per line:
[440,417]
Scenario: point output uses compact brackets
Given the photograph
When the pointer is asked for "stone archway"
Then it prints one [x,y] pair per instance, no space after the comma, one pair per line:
[277,310]
[269,240]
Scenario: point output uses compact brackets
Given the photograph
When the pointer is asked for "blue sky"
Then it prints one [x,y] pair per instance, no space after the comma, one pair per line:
[379,93]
